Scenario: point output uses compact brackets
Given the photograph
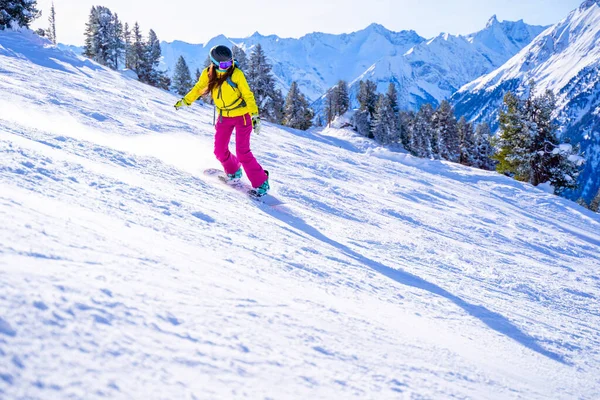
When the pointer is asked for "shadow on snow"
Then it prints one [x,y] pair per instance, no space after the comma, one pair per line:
[493,320]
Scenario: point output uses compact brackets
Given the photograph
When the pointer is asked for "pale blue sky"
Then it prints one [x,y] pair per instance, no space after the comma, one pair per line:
[196,21]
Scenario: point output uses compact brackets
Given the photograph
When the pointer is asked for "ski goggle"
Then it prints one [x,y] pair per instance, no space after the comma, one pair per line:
[224,65]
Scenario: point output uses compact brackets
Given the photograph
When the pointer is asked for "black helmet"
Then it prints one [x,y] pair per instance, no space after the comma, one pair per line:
[221,56]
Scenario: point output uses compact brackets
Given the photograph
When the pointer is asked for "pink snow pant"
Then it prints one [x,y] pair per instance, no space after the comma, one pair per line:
[231,163]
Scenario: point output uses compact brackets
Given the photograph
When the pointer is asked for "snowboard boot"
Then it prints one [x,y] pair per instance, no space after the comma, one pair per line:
[235,178]
[262,189]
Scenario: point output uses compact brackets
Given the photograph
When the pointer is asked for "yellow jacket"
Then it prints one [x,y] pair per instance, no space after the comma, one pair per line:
[230,101]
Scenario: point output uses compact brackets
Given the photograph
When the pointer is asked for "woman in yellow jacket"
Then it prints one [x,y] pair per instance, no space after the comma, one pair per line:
[237,110]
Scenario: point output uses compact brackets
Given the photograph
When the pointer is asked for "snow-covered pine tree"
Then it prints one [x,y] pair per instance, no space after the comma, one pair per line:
[392,95]
[117,43]
[20,12]
[385,122]
[296,112]
[330,102]
[367,100]
[262,83]
[467,142]
[337,101]
[423,133]
[98,35]
[367,96]
[550,161]
[156,78]
[343,97]
[90,47]
[139,62]
[182,79]
[239,55]
[483,148]
[51,31]
[275,106]
[362,122]
[128,47]
[197,74]
[564,167]
[104,37]
[514,140]
[407,123]
[529,146]
[447,145]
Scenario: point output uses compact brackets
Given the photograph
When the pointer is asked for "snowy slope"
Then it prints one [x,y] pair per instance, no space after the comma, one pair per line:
[124,273]
[564,59]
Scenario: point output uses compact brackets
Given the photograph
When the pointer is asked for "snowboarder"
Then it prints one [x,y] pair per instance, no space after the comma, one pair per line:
[237,110]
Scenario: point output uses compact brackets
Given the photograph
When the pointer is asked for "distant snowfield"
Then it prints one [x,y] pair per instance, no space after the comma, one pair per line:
[125,273]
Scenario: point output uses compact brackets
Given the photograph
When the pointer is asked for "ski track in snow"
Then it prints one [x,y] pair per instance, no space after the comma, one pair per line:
[125,273]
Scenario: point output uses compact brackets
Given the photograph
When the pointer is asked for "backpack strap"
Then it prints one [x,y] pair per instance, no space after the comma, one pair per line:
[232,83]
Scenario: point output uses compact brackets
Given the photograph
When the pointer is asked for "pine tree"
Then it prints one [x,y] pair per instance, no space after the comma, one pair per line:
[297,113]
[240,57]
[392,94]
[423,133]
[337,101]
[270,101]
[20,12]
[156,77]
[129,63]
[275,106]
[514,140]
[362,123]
[197,74]
[367,96]
[91,35]
[343,98]
[385,123]
[117,43]
[182,79]
[104,37]
[529,147]
[367,99]
[139,61]
[407,122]
[468,147]
[447,142]
[98,35]
[483,148]
[51,31]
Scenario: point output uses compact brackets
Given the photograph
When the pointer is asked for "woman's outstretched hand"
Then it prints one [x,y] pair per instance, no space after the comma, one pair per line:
[181,103]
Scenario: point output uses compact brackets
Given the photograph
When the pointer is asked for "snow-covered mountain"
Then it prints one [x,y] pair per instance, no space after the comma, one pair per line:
[564,59]
[316,61]
[425,70]
[125,273]
[433,70]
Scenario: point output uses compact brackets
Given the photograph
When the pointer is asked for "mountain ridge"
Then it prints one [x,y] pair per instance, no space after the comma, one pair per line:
[318,60]
[565,58]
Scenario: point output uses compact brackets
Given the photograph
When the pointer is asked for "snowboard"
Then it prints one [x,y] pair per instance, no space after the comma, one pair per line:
[242,187]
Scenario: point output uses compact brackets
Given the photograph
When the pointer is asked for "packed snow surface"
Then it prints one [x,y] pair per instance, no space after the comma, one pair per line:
[125,273]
